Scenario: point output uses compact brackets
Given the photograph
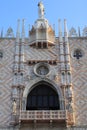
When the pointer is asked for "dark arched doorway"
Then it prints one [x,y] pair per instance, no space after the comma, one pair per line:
[43,97]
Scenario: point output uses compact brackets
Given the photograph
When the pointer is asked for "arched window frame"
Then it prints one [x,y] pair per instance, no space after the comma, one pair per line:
[37,93]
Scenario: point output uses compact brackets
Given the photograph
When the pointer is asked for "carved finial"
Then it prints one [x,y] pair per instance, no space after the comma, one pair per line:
[10,32]
[72,32]
[41,10]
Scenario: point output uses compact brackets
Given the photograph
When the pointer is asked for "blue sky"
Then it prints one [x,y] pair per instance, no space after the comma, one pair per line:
[75,11]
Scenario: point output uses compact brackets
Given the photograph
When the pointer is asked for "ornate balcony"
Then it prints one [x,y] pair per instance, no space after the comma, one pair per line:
[43,115]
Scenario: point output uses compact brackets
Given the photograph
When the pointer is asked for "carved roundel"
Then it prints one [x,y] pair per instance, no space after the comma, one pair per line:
[42,69]
[77,53]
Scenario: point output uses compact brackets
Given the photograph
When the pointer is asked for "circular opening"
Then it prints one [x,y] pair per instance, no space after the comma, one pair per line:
[42,69]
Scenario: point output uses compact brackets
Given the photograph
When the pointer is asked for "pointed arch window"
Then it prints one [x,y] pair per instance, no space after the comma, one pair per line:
[43,97]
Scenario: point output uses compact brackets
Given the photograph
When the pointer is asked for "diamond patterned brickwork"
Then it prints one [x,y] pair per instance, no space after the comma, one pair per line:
[79,75]
[40,54]
[79,80]
[6,64]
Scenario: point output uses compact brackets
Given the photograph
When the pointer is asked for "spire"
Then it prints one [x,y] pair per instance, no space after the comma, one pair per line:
[59,21]
[2,33]
[22,48]
[65,25]
[65,28]
[23,30]
[61,46]
[16,62]
[60,30]
[66,37]
[67,53]
[18,29]
[41,10]
[79,34]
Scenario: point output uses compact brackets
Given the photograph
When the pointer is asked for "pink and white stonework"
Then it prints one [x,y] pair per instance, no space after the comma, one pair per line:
[43,62]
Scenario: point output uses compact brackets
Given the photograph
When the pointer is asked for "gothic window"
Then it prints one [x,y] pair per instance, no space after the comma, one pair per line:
[43,97]
[77,54]
[1,54]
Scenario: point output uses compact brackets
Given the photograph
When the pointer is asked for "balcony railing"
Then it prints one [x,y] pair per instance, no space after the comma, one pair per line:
[42,115]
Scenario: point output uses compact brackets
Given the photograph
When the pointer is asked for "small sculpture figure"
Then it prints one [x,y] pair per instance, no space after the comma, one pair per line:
[57,78]
[70,106]
[14,107]
[41,10]
[69,92]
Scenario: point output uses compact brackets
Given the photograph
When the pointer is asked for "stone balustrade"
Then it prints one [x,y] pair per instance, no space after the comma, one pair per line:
[43,115]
